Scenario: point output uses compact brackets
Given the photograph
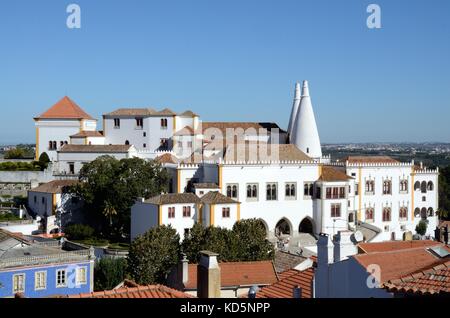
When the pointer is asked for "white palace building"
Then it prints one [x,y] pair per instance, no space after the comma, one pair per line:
[226,171]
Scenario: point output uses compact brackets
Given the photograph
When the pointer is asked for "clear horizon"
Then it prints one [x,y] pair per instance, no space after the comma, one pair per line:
[233,61]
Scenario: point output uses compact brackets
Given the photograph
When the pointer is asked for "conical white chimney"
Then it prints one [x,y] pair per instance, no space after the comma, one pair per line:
[297,97]
[304,133]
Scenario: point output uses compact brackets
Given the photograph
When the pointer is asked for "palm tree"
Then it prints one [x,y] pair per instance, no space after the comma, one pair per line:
[109,211]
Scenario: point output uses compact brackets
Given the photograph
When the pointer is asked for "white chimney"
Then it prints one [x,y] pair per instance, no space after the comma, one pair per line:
[344,246]
[185,269]
[304,133]
[208,276]
[297,97]
[324,250]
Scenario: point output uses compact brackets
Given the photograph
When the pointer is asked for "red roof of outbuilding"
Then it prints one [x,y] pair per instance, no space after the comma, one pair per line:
[239,274]
[150,291]
[289,280]
[65,108]
[432,281]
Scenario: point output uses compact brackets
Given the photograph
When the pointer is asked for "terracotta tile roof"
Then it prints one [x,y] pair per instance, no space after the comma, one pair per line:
[185,131]
[394,245]
[145,112]
[223,126]
[206,185]
[167,158]
[132,112]
[65,109]
[149,291]
[188,113]
[284,261]
[95,148]
[370,159]
[165,112]
[87,133]
[435,280]
[56,186]
[288,281]
[174,198]
[413,260]
[215,197]
[330,174]
[250,151]
[239,274]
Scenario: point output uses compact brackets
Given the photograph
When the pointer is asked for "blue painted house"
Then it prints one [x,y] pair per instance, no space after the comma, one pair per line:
[40,269]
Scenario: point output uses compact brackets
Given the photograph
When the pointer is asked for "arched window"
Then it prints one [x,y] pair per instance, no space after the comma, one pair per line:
[274,191]
[430,186]
[416,212]
[254,191]
[127,142]
[404,185]
[54,145]
[387,187]
[403,213]
[287,190]
[369,214]
[423,187]
[249,191]
[50,145]
[430,212]
[370,186]
[386,214]
[417,186]
[234,191]
[306,189]
[423,213]
[350,218]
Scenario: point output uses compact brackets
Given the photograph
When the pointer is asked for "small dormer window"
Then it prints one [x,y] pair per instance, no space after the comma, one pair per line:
[307,150]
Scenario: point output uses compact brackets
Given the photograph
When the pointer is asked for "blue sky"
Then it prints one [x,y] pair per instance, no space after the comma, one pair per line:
[233,60]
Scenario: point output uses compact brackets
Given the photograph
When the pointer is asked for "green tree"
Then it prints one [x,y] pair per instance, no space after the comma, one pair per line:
[252,244]
[78,231]
[194,242]
[15,153]
[108,185]
[109,272]
[245,242]
[153,255]
[444,193]
[421,227]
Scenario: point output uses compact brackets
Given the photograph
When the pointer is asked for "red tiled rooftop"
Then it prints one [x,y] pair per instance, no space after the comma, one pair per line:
[288,281]
[150,291]
[87,133]
[239,274]
[394,245]
[397,263]
[435,280]
[65,109]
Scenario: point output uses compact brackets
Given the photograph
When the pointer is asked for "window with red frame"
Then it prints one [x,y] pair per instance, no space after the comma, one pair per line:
[186,211]
[225,212]
[171,214]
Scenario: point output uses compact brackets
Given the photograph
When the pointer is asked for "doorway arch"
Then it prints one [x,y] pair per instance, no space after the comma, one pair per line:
[306,226]
[283,227]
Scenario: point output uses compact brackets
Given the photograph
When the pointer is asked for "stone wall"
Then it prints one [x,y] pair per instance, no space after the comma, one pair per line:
[17,183]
